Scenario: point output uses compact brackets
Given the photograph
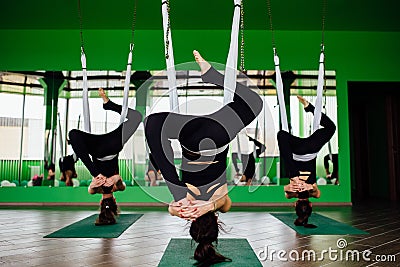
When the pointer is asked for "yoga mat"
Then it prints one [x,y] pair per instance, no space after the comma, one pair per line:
[180,253]
[326,226]
[86,229]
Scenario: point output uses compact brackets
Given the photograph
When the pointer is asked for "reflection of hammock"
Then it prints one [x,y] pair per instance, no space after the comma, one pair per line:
[85,98]
[86,112]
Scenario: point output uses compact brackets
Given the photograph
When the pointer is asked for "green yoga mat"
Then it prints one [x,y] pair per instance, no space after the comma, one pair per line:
[180,253]
[326,226]
[86,229]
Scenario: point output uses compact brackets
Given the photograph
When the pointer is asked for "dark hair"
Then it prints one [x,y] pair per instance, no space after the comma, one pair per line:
[204,230]
[303,212]
[108,211]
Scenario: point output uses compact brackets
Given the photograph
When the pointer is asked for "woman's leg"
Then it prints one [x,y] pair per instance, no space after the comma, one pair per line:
[250,167]
[242,111]
[235,158]
[133,117]
[320,137]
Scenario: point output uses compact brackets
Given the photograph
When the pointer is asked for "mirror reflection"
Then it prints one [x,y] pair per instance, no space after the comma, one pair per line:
[48,104]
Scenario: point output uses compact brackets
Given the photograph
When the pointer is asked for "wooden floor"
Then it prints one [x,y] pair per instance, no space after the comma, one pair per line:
[143,244]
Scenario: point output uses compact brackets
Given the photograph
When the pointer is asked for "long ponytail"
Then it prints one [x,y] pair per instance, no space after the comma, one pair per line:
[303,212]
[205,231]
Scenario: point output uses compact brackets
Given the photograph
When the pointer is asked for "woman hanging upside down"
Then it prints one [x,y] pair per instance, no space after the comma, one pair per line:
[300,166]
[99,153]
[204,140]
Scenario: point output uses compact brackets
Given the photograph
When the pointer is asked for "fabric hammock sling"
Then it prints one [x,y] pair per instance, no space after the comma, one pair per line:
[85,94]
[320,87]
[231,63]
[230,69]
[85,97]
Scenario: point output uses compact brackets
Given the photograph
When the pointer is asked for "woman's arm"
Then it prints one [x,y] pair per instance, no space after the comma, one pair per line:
[292,189]
[226,206]
[220,201]
[158,134]
[286,153]
[175,207]
[315,192]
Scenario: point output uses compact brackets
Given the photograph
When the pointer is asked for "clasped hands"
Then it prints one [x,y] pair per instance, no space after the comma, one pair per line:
[100,180]
[190,210]
[298,185]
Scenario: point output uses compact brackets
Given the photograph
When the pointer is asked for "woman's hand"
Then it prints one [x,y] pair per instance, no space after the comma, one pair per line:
[197,209]
[293,186]
[95,185]
[305,187]
[175,207]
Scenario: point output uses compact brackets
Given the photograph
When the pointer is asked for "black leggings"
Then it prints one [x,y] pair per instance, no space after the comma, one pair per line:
[199,133]
[248,164]
[335,171]
[248,160]
[289,145]
[90,147]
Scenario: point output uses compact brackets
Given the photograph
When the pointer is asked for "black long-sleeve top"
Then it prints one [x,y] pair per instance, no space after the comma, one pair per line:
[197,134]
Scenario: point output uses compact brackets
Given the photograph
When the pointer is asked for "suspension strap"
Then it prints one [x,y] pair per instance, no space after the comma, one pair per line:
[169,58]
[320,91]
[279,90]
[279,83]
[124,111]
[242,68]
[85,93]
[321,75]
[231,61]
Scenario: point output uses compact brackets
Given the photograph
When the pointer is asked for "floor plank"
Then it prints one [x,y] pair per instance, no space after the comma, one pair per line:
[143,244]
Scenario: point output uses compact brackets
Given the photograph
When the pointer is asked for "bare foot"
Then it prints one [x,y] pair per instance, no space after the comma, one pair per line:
[103,95]
[152,177]
[303,101]
[204,65]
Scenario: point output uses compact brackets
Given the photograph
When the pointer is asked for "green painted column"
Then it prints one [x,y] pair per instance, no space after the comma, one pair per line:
[53,83]
[142,85]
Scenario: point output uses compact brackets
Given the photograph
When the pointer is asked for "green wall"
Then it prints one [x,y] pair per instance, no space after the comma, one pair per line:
[138,195]
[355,56]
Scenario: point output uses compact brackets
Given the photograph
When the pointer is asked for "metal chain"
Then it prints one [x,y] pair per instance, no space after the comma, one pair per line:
[323,23]
[242,69]
[323,44]
[270,23]
[134,21]
[167,33]
[80,24]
